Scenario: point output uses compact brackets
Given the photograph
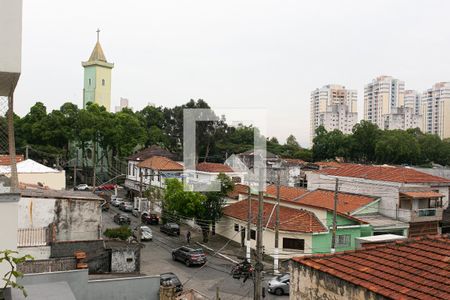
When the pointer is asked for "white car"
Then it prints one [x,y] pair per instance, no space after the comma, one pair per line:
[82,187]
[116,202]
[146,233]
[135,212]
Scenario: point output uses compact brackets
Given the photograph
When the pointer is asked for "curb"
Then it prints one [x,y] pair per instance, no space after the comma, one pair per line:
[217,253]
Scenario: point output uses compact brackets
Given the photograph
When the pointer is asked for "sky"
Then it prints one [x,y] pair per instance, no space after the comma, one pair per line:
[252,54]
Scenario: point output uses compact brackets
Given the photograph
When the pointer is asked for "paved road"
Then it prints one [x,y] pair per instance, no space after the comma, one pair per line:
[156,259]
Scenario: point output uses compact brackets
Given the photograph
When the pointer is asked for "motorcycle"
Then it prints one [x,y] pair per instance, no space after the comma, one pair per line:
[242,270]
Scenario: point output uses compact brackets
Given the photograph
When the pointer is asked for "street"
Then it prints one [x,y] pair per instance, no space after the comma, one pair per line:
[156,259]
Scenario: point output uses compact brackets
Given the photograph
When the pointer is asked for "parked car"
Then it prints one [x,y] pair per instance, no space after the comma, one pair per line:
[150,218]
[146,233]
[190,256]
[170,229]
[122,219]
[82,187]
[128,207]
[106,187]
[279,285]
[171,279]
[116,202]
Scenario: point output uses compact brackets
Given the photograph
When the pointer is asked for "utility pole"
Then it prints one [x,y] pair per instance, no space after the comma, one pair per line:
[139,205]
[259,248]
[333,237]
[249,222]
[277,225]
[26,151]
[75,171]
[94,165]
[217,293]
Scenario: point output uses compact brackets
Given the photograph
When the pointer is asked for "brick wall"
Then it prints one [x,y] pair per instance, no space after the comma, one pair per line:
[48,265]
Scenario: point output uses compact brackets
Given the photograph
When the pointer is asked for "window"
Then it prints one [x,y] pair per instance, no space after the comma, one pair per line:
[343,240]
[103,82]
[252,234]
[297,244]
[236,227]
[89,81]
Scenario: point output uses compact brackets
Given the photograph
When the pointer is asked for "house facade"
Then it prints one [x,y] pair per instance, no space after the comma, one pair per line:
[405,194]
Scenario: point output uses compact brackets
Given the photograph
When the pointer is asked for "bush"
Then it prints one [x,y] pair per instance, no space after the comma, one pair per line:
[123,233]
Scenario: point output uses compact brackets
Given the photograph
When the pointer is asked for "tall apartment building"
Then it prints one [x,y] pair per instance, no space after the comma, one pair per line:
[334,107]
[436,110]
[402,118]
[413,99]
[381,96]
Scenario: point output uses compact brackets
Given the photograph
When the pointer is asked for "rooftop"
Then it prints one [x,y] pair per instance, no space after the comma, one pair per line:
[294,220]
[5,159]
[62,194]
[379,221]
[409,269]
[160,163]
[286,192]
[384,173]
[153,150]
[28,166]
[237,190]
[214,168]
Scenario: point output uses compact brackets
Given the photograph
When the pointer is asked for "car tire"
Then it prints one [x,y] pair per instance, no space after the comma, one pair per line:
[278,292]
[188,263]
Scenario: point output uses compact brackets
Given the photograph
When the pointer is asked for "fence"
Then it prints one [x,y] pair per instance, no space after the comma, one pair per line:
[29,237]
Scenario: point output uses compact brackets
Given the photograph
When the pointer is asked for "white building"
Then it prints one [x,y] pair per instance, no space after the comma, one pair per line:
[413,99]
[381,96]
[124,103]
[402,118]
[334,107]
[436,110]
[34,173]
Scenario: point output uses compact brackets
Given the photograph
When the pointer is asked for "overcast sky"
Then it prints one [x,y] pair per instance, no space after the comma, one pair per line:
[251,54]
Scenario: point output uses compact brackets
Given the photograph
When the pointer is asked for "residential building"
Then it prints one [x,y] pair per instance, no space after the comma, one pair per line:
[381,96]
[156,169]
[124,103]
[436,110]
[206,173]
[132,180]
[97,78]
[297,236]
[413,99]
[405,194]
[402,118]
[32,172]
[409,269]
[334,107]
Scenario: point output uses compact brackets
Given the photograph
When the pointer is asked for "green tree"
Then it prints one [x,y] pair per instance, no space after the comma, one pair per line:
[397,147]
[363,141]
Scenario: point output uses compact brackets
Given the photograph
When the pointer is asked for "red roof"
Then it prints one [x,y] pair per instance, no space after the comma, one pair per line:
[160,163]
[423,194]
[384,173]
[286,192]
[214,168]
[410,269]
[5,159]
[238,189]
[294,161]
[295,220]
[347,203]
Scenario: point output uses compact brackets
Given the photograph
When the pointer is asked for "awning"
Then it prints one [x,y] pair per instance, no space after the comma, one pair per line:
[422,194]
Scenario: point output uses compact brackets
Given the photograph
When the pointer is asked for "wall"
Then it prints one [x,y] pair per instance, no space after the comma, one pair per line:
[123,260]
[48,265]
[310,284]
[38,252]
[8,225]
[55,181]
[131,288]
[74,219]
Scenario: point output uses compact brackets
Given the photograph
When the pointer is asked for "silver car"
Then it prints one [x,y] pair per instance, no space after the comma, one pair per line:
[279,285]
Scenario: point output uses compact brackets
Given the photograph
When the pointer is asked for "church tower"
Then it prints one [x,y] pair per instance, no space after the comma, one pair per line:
[97,78]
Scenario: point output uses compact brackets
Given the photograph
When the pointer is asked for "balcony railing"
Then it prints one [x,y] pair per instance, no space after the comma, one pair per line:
[420,215]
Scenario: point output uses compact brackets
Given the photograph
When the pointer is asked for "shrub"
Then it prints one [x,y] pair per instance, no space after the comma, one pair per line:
[123,233]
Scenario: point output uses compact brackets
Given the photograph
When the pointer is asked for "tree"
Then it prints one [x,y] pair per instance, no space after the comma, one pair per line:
[397,147]
[292,141]
[10,257]
[363,141]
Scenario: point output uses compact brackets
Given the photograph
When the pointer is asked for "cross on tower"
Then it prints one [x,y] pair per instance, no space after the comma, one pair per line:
[98,35]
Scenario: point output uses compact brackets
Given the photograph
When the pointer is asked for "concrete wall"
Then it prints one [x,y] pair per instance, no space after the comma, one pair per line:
[123,260]
[310,284]
[8,225]
[48,265]
[38,252]
[55,181]
[74,219]
[131,288]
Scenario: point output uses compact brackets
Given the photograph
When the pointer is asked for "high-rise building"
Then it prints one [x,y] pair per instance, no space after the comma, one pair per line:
[124,103]
[413,99]
[402,118]
[436,110]
[334,107]
[97,78]
[381,97]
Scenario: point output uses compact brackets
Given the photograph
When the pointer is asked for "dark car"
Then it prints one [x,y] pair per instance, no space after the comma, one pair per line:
[122,219]
[171,279]
[150,218]
[170,228]
[190,256]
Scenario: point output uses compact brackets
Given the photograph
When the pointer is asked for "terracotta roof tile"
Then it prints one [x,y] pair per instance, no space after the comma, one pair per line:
[151,151]
[5,159]
[423,194]
[214,168]
[294,220]
[286,192]
[238,189]
[409,269]
[161,164]
[383,173]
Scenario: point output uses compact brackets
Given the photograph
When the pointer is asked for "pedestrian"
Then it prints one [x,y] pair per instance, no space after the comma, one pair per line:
[188,237]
